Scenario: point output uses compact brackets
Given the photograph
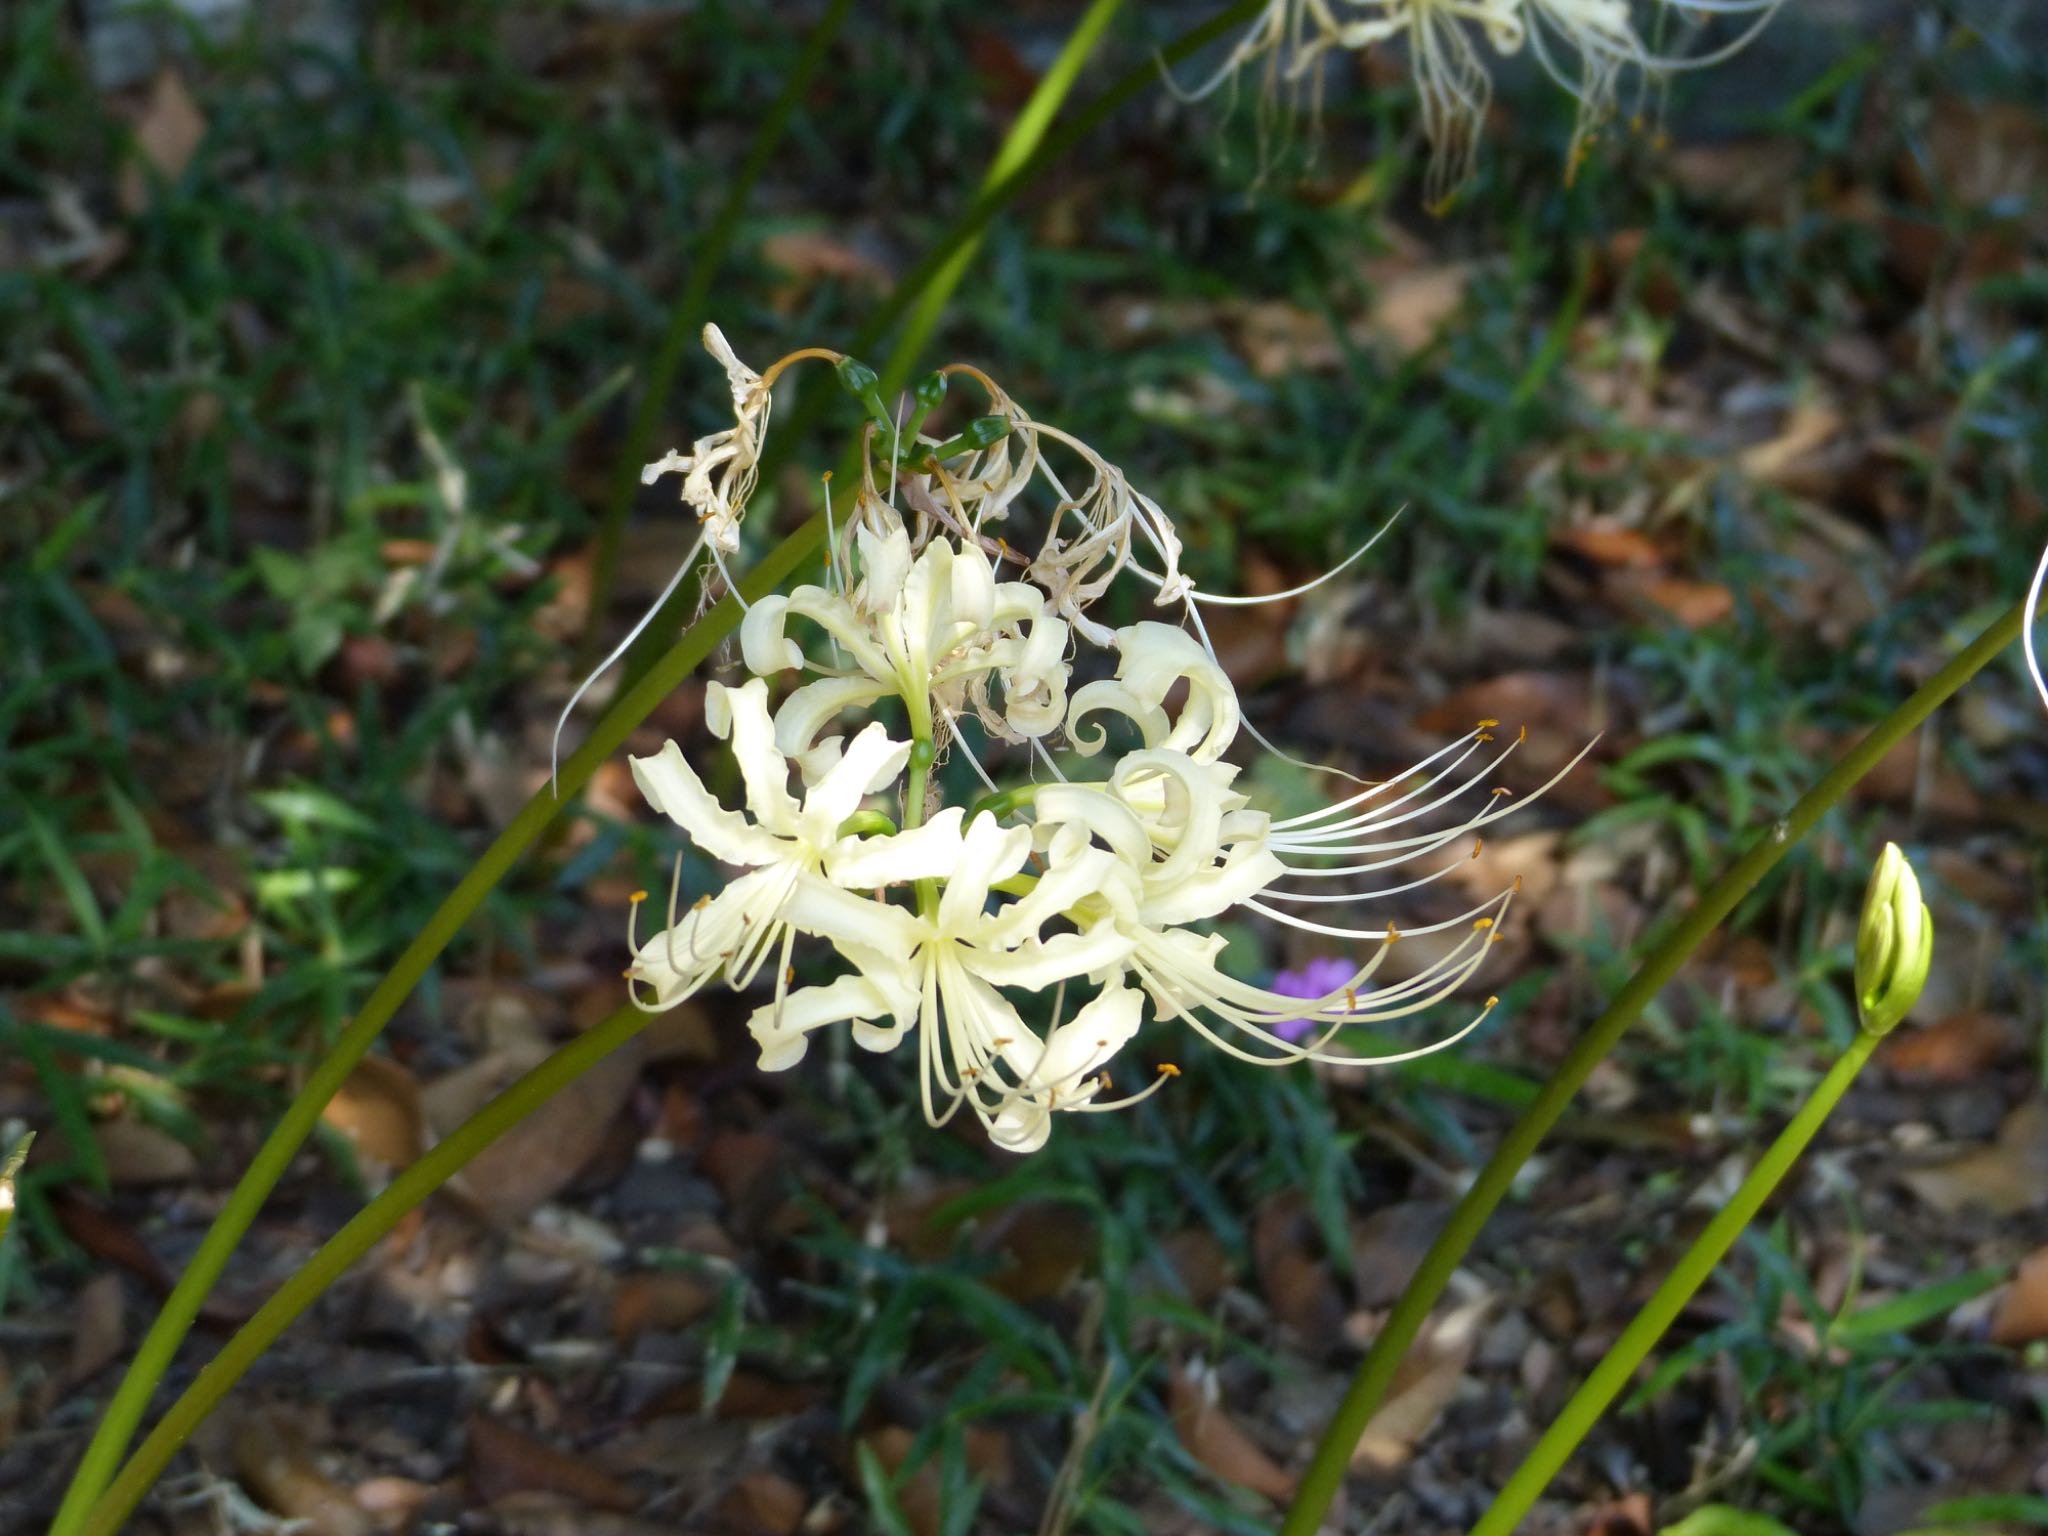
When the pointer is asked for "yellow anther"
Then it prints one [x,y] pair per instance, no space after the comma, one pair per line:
[1484,736]
[1518,885]
[700,903]
[1485,725]
[1168,1069]
[637,897]
[1484,922]
[1477,844]
[788,974]
[1522,734]
[627,973]
[1496,938]
[1500,790]
[1351,1000]
[827,476]
[1493,1002]
[1003,1040]
[1393,933]
[1103,1078]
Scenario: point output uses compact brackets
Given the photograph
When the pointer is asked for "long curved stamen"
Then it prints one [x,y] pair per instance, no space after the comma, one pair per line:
[725,575]
[647,618]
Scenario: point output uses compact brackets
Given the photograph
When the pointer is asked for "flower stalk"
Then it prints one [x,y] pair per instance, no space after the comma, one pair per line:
[405,1193]
[1375,1374]
[687,318]
[1618,1366]
[652,678]
[1894,941]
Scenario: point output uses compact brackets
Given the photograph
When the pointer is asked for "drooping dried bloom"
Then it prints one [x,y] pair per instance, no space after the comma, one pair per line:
[1091,886]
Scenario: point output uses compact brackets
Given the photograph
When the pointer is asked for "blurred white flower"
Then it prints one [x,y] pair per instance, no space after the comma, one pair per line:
[1587,46]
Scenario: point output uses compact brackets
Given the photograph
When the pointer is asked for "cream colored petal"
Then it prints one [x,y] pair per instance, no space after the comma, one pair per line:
[1036,965]
[871,759]
[885,565]
[988,853]
[1246,870]
[763,647]
[809,709]
[673,788]
[1086,1042]
[783,1030]
[930,852]
[740,715]
[1020,1126]
[826,911]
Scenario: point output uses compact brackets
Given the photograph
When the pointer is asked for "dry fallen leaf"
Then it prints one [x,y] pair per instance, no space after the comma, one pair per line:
[1425,1385]
[2022,1315]
[1214,1439]
[503,1461]
[1953,1050]
[166,137]
[1046,1244]
[659,1302]
[378,1110]
[276,1465]
[765,1504]
[1612,545]
[1694,604]
[98,1329]
[1294,1277]
[2005,1179]
[1811,425]
[536,1160]
[1410,308]
[139,1153]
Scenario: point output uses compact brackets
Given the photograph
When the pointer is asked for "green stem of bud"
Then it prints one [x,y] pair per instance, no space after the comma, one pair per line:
[1619,1364]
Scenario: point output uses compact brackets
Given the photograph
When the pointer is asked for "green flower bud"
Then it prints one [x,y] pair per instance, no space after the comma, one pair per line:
[1894,943]
[930,390]
[864,384]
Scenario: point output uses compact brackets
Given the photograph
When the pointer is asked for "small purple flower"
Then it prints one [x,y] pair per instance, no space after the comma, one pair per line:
[1319,978]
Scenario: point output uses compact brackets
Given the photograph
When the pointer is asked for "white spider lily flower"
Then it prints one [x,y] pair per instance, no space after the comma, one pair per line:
[1451,76]
[780,843]
[1197,850]
[939,973]
[931,631]
[719,471]
[1604,43]
[1151,659]
[1585,45]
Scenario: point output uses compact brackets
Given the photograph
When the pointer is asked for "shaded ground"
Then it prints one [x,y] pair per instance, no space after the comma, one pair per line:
[1716,452]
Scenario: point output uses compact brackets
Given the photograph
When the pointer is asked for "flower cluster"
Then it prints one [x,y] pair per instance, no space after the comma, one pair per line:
[1091,882]
[1586,46]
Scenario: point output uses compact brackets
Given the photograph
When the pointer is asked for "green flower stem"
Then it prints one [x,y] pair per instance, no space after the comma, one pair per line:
[687,319]
[153,1358]
[1031,158]
[1010,159]
[410,1189]
[650,683]
[1619,1364]
[1325,1473]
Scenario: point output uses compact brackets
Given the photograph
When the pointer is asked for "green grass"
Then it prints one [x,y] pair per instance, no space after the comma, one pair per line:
[238,712]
